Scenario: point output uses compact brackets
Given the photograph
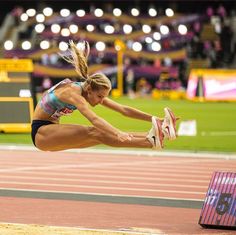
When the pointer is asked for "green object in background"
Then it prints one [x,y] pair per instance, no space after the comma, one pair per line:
[216,123]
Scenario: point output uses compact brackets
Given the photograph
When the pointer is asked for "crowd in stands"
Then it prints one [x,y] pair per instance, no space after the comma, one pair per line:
[152,58]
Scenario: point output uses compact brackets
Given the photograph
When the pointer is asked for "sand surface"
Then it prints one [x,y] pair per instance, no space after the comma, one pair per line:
[26,229]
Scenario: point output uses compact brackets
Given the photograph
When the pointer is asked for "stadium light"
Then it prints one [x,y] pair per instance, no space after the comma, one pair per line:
[47,11]
[148,40]
[117,12]
[80,45]
[127,29]
[24,17]
[65,32]
[98,12]
[152,12]
[40,18]
[8,45]
[157,36]
[55,28]
[100,46]
[146,28]
[156,46]
[31,12]
[137,46]
[73,28]
[169,12]
[26,45]
[80,13]
[90,28]
[44,44]
[134,12]
[182,29]
[39,28]
[64,12]
[164,29]
[109,29]
[63,46]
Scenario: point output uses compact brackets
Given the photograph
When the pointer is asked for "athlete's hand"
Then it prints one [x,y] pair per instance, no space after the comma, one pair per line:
[123,136]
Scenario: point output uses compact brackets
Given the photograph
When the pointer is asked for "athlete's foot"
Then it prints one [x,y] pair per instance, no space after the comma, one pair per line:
[155,135]
[169,125]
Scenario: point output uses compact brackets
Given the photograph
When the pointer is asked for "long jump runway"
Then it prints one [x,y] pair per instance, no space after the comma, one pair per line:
[106,191]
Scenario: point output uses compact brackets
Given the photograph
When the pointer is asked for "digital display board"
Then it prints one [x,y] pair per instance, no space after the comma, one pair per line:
[16,114]
[15,89]
[17,95]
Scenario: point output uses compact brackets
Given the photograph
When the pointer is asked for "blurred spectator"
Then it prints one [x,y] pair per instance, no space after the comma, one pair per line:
[53,59]
[226,37]
[197,28]
[46,83]
[16,13]
[197,44]
[167,62]
[210,12]
[163,83]
[45,59]
[175,84]
[233,28]
[221,11]
[143,87]
[211,53]
[129,83]
[157,63]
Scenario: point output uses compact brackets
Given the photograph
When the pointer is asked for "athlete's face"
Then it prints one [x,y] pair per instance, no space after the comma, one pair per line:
[95,97]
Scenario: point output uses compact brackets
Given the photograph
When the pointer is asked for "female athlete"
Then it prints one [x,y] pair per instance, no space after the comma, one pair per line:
[48,134]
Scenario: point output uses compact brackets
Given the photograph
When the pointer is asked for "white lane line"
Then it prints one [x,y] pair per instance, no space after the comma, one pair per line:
[218,133]
[152,166]
[115,176]
[202,164]
[181,169]
[96,165]
[156,174]
[129,173]
[137,152]
[102,187]
[104,182]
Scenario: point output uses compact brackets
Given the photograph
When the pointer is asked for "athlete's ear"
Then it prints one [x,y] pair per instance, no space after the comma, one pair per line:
[89,89]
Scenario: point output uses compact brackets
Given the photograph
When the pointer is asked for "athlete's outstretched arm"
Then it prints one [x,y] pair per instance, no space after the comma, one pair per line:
[126,110]
[97,121]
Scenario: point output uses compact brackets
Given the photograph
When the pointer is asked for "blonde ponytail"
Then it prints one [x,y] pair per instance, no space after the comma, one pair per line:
[78,58]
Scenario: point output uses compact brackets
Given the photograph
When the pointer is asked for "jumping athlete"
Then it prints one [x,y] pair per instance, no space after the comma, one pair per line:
[66,96]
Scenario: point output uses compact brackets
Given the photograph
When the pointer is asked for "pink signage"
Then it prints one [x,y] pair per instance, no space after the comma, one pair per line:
[212,84]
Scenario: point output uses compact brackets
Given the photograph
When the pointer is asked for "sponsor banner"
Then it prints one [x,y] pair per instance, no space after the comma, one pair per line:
[16,65]
[218,84]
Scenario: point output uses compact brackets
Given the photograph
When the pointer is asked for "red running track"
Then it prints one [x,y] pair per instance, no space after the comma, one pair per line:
[106,190]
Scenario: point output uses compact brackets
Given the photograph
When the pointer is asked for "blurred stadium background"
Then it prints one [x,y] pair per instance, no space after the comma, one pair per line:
[157,53]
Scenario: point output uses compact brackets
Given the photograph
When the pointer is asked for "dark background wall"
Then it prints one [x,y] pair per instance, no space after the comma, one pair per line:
[191,6]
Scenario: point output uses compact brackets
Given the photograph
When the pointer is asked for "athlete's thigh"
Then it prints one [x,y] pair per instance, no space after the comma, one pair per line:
[63,136]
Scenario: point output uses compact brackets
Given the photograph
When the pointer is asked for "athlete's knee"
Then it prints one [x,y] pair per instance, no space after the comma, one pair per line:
[42,144]
[39,145]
